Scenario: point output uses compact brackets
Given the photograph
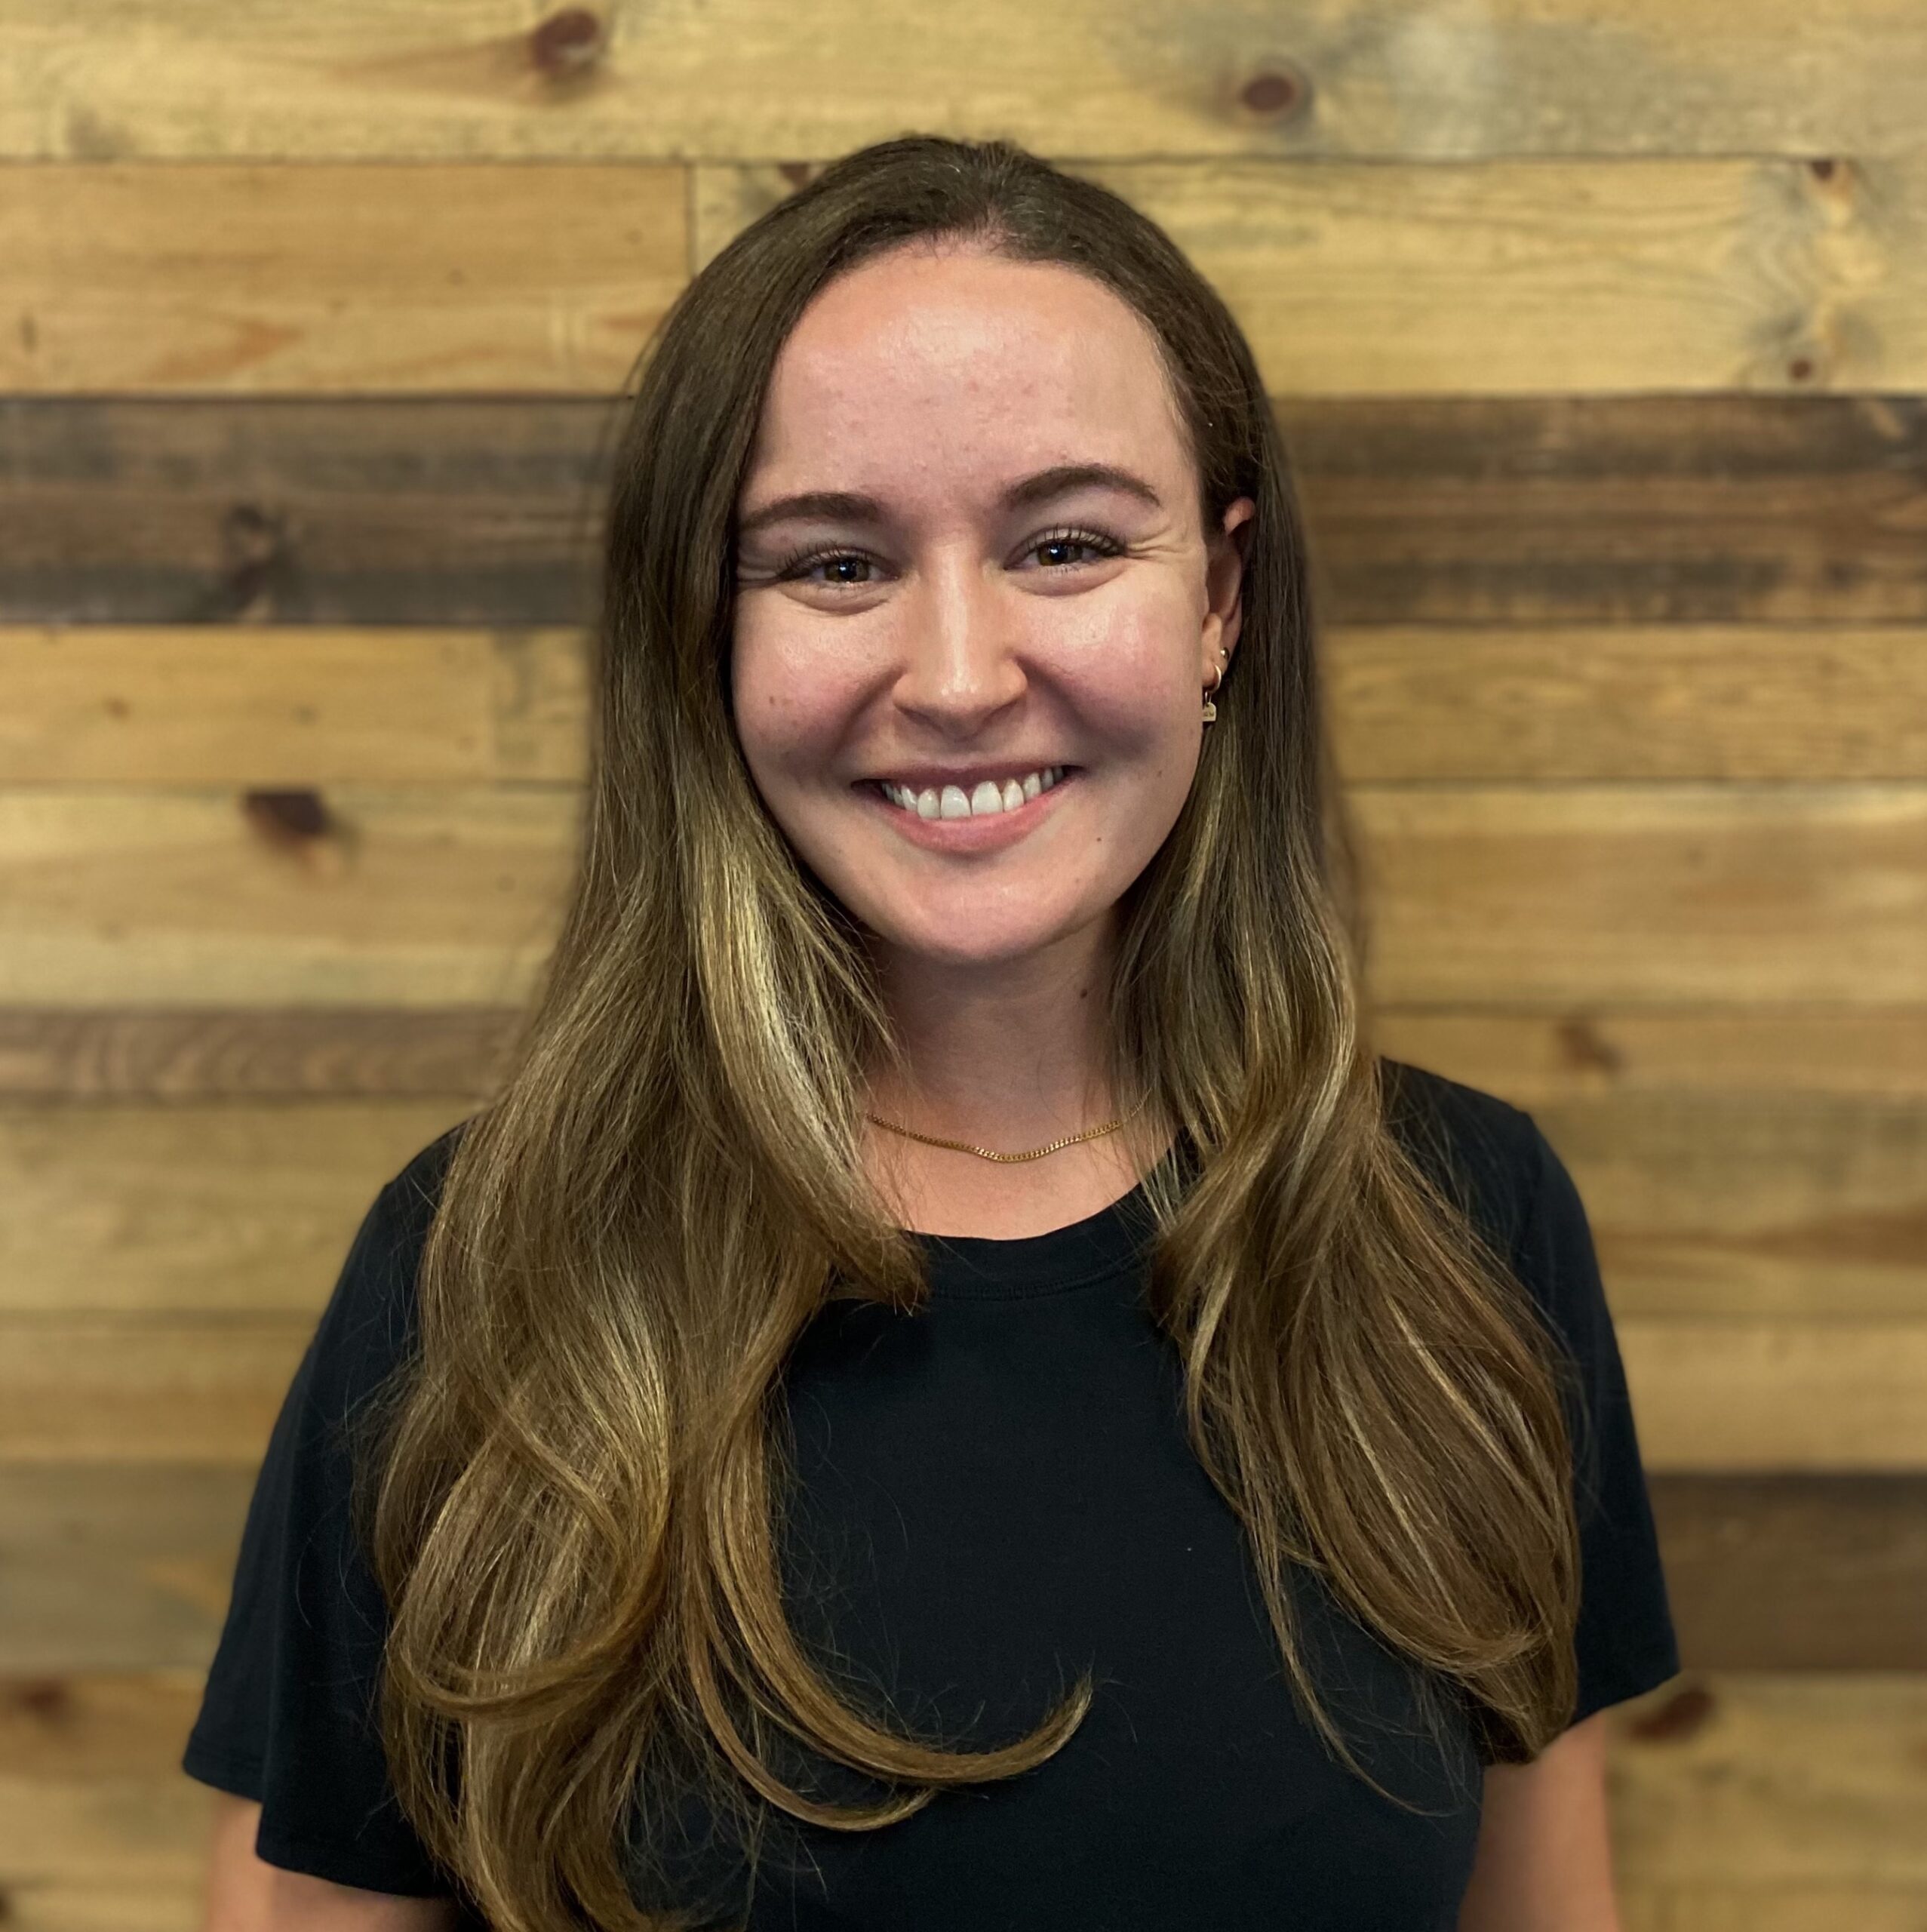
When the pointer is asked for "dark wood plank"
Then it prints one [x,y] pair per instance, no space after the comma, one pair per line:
[296,511]
[201,1053]
[1796,1572]
[127,1566]
[1624,509]
[1728,508]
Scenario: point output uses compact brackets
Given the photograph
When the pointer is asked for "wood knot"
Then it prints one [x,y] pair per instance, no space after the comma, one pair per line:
[1800,367]
[47,1699]
[290,820]
[1278,94]
[1684,1714]
[566,43]
[1583,1048]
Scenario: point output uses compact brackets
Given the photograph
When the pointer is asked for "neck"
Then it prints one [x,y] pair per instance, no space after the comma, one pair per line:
[1008,1055]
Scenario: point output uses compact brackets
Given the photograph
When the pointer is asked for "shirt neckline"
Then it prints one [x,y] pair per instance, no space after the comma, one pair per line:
[1112,1241]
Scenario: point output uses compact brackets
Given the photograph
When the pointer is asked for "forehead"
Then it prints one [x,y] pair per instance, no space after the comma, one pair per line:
[963,360]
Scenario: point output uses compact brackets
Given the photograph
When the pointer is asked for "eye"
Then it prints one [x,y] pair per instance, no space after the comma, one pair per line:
[1078,540]
[805,562]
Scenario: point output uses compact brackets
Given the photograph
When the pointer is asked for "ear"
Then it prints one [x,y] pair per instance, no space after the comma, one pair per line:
[1223,586]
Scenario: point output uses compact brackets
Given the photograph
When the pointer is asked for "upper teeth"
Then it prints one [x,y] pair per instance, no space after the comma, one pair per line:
[953,802]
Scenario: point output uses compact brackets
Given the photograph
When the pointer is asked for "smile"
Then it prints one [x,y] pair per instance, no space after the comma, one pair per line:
[983,801]
[956,822]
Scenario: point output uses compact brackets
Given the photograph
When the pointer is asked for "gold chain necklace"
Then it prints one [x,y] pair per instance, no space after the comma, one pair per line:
[1036,1154]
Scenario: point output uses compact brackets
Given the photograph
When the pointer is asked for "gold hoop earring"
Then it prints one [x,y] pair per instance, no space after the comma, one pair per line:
[1211,696]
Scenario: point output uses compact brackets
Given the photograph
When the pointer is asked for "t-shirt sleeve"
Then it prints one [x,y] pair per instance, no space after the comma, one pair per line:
[1625,1641]
[289,1715]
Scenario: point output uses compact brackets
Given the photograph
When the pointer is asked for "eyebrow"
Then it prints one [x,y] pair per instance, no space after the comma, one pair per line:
[851,506]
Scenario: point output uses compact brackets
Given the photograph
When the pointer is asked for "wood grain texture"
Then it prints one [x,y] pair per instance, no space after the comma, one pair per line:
[248,704]
[1718,893]
[1525,278]
[1500,278]
[234,1210]
[117,1566]
[1736,508]
[99,1828]
[1560,704]
[1755,1394]
[423,896]
[1781,1571]
[1501,896]
[92,1808]
[439,510]
[1756,1053]
[358,79]
[1750,1394]
[1759,1050]
[227,1195]
[197,1054]
[1711,1787]
[127,1566]
[333,277]
[294,705]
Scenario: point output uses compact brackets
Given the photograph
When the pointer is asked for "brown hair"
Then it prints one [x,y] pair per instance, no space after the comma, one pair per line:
[576,1516]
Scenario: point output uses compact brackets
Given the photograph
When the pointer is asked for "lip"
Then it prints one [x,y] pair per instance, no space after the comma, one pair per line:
[988,834]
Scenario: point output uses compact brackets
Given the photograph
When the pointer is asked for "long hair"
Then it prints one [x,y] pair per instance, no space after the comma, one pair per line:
[581,1479]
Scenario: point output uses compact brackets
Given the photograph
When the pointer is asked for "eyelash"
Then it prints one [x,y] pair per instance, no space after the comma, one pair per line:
[805,560]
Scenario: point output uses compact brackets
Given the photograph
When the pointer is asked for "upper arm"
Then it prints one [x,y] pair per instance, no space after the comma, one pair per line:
[245,1894]
[1544,1862]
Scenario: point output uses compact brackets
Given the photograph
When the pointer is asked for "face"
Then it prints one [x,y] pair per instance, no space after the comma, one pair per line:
[976,624]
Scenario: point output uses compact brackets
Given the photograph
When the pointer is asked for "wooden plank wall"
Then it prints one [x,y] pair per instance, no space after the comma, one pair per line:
[1599,337]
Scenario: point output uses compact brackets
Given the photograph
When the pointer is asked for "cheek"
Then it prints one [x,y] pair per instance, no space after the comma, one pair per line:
[793,697]
[1132,683]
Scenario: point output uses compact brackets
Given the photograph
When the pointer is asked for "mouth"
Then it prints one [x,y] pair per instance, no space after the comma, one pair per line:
[989,799]
[968,829]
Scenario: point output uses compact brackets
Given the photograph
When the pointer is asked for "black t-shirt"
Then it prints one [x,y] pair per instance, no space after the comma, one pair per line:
[992,1497]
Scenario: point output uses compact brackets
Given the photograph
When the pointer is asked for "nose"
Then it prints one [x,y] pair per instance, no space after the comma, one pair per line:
[961,653]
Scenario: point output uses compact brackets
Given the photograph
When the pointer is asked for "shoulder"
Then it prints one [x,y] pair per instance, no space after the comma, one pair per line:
[1487,1155]
[368,1325]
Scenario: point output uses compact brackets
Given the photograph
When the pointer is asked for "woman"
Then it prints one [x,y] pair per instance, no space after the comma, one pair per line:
[951,1387]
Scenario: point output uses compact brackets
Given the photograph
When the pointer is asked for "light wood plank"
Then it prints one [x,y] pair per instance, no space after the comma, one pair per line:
[360,78]
[1709,1395]
[243,1210]
[98,1388]
[1765,1395]
[1594,701]
[1745,1201]
[418,898]
[1723,893]
[302,705]
[1761,1051]
[335,276]
[1744,1908]
[98,1826]
[1750,1204]
[299,705]
[1530,278]
[1503,278]
[1500,895]
[1756,1781]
